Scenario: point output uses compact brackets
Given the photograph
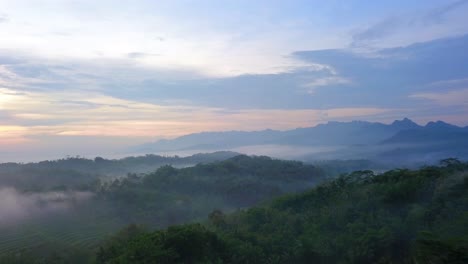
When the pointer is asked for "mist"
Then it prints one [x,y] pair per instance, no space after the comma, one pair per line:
[16,206]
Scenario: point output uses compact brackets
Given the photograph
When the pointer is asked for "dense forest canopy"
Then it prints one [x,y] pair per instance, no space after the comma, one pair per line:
[400,216]
[82,211]
[78,172]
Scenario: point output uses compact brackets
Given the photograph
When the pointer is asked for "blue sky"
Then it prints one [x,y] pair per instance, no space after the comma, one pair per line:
[101,71]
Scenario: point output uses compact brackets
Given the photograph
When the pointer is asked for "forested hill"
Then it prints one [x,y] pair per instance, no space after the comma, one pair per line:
[401,216]
[66,226]
[78,172]
[170,195]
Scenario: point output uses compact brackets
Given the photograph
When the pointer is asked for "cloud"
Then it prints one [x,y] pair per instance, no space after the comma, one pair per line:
[3,18]
[104,98]
[327,81]
[389,76]
[338,79]
[128,80]
[138,55]
[412,27]
[98,115]
[449,98]
[12,136]
[217,40]
[438,15]
[449,84]
[48,124]
[377,31]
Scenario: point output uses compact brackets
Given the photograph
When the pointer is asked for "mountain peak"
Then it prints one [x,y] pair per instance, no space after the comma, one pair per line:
[439,125]
[405,123]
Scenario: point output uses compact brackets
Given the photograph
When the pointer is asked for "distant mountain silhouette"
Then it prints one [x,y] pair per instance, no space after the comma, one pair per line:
[331,133]
[433,132]
[400,142]
[345,133]
[406,123]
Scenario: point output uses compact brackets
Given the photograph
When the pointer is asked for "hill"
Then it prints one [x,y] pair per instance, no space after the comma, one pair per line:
[78,173]
[401,216]
[45,222]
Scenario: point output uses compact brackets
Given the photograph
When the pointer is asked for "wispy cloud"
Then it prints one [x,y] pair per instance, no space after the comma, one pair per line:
[137,55]
[377,31]
[323,82]
[450,84]
[449,98]
[164,36]
[97,115]
[423,25]
[438,14]
[3,18]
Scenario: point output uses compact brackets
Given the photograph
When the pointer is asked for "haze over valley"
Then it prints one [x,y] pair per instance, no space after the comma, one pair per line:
[401,143]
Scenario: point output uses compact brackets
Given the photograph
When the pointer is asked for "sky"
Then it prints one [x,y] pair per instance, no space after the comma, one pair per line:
[86,76]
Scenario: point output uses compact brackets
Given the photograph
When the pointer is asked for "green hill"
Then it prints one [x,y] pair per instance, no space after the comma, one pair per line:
[400,216]
[57,223]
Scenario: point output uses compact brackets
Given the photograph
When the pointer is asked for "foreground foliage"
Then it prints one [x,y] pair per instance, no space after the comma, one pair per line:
[401,216]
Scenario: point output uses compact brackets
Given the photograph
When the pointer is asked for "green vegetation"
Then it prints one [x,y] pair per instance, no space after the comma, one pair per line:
[80,173]
[335,168]
[169,195]
[58,220]
[401,216]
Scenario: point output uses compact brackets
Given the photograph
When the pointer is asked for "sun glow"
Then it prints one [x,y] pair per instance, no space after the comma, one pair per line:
[6,96]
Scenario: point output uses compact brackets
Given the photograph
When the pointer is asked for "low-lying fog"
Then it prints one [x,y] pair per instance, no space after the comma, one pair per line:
[394,155]
[16,206]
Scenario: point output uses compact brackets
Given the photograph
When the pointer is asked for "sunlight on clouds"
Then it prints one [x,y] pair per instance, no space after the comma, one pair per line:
[12,135]
[321,82]
[162,41]
[33,116]
[354,112]
[6,96]
[91,114]
[6,76]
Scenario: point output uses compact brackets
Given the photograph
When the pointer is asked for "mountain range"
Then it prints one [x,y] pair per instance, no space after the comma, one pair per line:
[402,140]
